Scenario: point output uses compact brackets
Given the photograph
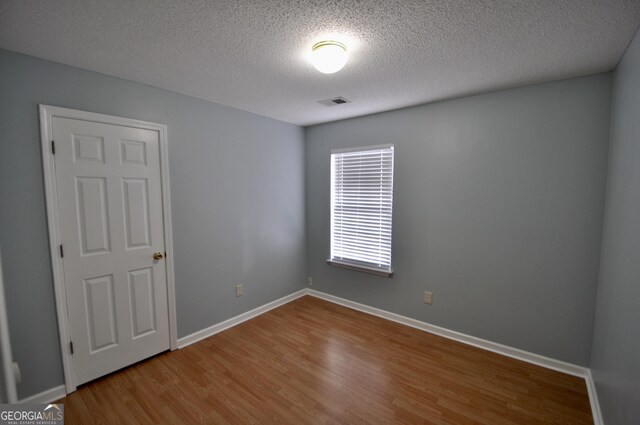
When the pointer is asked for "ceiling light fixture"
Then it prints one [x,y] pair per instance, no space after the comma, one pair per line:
[329,56]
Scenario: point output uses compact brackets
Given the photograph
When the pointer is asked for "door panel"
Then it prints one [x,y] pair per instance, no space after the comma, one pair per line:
[101,312]
[88,148]
[133,152]
[143,309]
[93,221]
[110,202]
[136,212]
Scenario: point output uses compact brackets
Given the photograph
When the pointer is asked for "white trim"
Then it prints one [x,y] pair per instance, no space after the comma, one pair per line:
[362,148]
[593,399]
[8,374]
[168,236]
[54,238]
[515,353]
[52,394]
[48,163]
[549,363]
[212,330]
[344,264]
[505,350]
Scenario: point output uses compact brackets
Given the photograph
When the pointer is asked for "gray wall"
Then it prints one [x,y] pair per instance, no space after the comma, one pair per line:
[498,208]
[237,186]
[615,358]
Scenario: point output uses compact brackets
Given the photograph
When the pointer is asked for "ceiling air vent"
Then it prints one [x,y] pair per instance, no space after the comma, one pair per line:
[333,102]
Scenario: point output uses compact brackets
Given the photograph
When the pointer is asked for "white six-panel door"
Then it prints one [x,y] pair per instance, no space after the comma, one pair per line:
[109,197]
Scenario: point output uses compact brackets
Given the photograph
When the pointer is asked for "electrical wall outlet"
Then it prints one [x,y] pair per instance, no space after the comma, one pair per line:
[310,281]
[428,297]
[239,290]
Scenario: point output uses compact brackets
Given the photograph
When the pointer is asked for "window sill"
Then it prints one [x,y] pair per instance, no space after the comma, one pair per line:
[360,268]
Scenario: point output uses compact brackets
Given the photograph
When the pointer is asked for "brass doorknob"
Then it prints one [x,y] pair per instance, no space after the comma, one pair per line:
[157,256]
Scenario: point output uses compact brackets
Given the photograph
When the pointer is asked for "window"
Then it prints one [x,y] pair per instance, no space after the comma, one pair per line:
[361,208]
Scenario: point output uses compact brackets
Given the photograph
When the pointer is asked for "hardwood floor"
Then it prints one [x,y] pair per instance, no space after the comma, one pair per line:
[314,362]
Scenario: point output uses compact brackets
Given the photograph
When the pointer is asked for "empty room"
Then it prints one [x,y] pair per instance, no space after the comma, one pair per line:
[320,212]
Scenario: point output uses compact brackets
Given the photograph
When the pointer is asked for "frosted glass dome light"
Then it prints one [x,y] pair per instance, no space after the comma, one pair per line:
[329,56]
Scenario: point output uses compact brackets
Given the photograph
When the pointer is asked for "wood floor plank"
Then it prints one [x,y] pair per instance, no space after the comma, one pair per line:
[314,362]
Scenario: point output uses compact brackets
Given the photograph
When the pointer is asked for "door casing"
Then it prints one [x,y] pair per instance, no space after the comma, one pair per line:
[47,113]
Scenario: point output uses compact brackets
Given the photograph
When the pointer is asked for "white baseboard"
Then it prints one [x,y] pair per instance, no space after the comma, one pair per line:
[505,350]
[593,399]
[59,392]
[45,397]
[571,369]
[547,362]
[219,327]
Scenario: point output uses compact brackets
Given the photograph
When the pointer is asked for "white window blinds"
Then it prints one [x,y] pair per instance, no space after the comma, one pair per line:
[361,208]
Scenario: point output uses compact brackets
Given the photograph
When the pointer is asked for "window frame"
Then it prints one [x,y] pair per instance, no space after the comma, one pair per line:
[353,264]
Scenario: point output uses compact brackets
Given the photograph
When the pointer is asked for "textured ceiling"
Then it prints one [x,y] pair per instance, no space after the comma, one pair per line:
[251,54]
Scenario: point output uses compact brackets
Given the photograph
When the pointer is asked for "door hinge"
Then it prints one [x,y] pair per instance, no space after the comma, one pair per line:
[71,346]
[53,147]
[61,251]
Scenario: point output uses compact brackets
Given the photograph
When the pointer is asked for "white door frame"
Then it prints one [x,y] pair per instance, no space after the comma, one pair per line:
[9,389]
[47,113]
